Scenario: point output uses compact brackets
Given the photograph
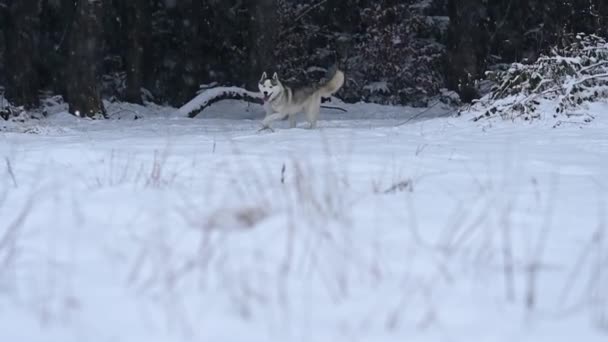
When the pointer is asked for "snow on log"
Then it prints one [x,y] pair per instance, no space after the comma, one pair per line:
[213,95]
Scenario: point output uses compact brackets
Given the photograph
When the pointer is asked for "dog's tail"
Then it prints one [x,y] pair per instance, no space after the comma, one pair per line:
[333,85]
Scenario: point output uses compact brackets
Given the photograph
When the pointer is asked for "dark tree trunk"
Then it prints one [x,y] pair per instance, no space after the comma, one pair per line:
[467,48]
[137,21]
[602,17]
[190,56]
[81,71]
[52,44]
[263,32]
[21,26]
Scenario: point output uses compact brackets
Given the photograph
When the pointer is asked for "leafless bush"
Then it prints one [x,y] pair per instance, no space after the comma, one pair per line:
[586,284]
[292,226]
[119,169]
[302,208]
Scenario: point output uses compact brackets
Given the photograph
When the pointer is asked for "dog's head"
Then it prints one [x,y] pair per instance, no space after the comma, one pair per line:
[270,87]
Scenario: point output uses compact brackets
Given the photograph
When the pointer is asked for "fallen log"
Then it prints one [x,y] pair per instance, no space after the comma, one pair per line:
[210,96]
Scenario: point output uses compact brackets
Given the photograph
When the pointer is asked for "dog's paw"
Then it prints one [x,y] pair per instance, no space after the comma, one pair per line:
[266,128]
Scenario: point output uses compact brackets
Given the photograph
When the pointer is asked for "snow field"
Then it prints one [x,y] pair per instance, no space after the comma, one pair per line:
[167,229]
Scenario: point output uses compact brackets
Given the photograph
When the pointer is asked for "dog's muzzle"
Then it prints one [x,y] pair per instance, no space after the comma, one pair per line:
[266,96]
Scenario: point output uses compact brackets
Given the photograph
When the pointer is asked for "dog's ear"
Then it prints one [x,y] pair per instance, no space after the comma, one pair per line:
[264,77]
[275,77]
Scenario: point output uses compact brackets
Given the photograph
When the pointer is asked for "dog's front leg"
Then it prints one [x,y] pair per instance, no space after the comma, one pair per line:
[267,109]
[270,118]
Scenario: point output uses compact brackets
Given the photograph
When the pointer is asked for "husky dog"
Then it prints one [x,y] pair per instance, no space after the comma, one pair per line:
[281,101]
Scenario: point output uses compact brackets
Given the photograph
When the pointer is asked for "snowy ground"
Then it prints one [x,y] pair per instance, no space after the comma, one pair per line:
[171,229]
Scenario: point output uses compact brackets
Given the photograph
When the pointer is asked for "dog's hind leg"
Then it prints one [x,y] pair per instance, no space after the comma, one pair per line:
[312,114]
[292,121]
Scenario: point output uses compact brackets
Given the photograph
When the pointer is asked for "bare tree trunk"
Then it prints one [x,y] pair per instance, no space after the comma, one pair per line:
[263,30]
[81,70]
[138,28]
[22,23]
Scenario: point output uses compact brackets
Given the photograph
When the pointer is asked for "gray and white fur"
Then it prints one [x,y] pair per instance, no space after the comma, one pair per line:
[281,101]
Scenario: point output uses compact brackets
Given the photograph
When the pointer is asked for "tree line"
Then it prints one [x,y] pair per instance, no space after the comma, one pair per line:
[393,51]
